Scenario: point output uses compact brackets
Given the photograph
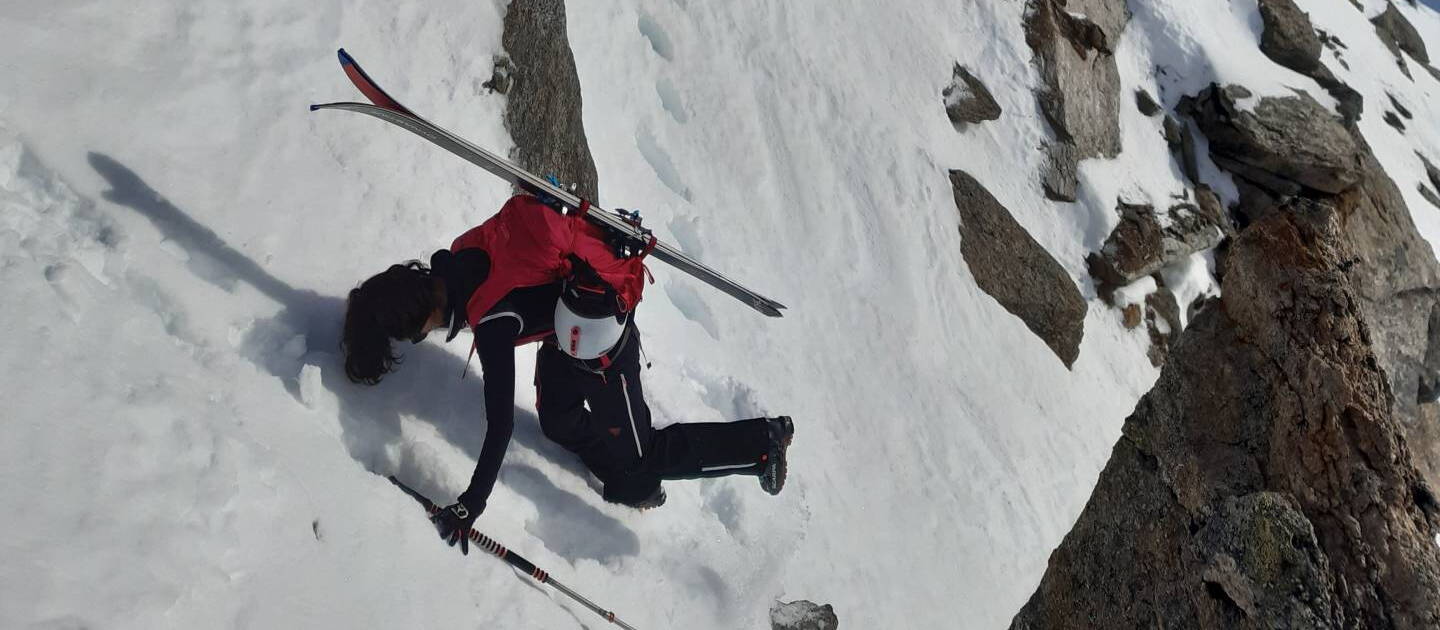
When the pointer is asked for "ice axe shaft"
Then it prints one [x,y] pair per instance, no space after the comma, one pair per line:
[514,559]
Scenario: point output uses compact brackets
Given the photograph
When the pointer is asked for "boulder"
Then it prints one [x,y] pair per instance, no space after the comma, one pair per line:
[542,112]
[1398,107]
[1393,119]
[1013,268]
[1264,482]
[802,615]
[1146,241]
[1079,90]
[967,100]
[1283,144]
[1398,34]
[1429,195]
[1146,103]
[1289,38]
[1431,172]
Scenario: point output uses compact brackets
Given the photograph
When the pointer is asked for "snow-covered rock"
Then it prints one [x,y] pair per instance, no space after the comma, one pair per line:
[1282,144]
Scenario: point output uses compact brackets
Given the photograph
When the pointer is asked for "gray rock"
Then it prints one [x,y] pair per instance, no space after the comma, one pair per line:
[1429,195]
[542,112]
[1080,83]
[1146,241]
[1264,482]
[1398,34]
[1060,179]
[1292,41]
[1289,38]
[1392,119]
[967,100]
[1146,103]
[1013,268]
[1431,172]
[802,615]
[1398,107]
[1351,103]
[1282,144]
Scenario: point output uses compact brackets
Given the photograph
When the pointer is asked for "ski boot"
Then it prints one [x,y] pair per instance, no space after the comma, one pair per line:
[655,500]
[779,430]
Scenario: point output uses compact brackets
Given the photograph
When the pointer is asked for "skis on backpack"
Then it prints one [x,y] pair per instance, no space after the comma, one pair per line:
[386,108]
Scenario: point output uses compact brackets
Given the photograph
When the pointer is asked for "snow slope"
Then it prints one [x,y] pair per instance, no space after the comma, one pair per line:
[177,235]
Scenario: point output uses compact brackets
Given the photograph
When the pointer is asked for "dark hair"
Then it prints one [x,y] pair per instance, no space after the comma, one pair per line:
[393,304]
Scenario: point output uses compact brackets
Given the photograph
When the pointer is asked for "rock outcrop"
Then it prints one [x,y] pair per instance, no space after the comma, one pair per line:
[1264,482]
[1074,45]
[967,100]
[1290,146]
[1014,269]
[542,112]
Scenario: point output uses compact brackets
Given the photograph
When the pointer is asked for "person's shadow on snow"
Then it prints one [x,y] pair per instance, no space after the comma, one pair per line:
[306,332]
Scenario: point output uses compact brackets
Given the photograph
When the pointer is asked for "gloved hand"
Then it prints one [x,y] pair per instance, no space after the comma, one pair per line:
[454,523]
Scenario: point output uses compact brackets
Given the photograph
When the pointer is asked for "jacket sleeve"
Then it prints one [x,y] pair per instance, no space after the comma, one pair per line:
[495,344]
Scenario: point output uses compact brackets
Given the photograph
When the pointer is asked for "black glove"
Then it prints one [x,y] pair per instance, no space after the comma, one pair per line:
[454,523]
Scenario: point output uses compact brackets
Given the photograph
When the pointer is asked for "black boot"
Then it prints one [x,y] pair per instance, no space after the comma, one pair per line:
[772,464]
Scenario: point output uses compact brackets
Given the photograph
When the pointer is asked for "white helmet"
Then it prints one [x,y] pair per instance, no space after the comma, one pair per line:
[587,325]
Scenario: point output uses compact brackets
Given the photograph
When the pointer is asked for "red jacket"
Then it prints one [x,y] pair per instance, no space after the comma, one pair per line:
[529,244]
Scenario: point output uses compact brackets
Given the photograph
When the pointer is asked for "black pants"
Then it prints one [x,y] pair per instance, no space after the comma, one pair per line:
[614,439]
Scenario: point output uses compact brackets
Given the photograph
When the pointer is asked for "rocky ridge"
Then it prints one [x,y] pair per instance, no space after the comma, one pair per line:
[1281,471]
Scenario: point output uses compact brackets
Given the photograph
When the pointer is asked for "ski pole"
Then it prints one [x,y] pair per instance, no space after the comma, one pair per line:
[514,559]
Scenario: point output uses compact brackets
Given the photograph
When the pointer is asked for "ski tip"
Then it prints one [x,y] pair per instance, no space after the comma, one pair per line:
[769,308]
[314,107]
[345,58]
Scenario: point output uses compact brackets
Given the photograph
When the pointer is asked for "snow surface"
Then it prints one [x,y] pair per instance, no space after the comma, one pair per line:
[177,234]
